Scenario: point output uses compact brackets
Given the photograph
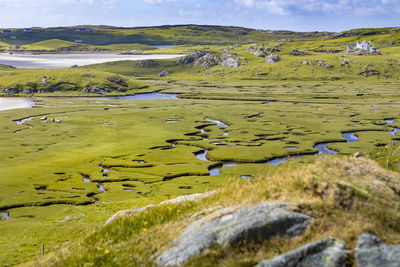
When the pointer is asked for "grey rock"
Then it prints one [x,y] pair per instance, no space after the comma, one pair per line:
[163,73]
[305,62]
[97,90]
[298,52]
[11,91]
[358,154]
[28,91]
[208,60]
[234,225]
[272,49]
[259,54]
[132,52]
[186,60]
[328,252]
[371,252]
[272,59]
[117,80]
[148,63]
[230,62]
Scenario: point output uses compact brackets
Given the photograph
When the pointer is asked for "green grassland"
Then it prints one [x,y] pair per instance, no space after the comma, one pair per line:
[67,82]
[144,151]
[48,161]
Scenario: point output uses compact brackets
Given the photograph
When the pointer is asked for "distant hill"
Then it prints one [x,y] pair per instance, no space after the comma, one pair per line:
[160,35]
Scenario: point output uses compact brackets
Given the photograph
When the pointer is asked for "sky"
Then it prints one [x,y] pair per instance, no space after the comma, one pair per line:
[296,15]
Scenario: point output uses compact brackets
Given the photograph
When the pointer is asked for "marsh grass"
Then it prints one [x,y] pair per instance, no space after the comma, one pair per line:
[345,196]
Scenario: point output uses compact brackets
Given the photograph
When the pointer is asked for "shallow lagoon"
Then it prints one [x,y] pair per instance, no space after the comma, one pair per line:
[7,103]
[62,61]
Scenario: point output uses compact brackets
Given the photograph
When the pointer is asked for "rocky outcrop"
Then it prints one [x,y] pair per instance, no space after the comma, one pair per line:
[11,91]
[192,197]
[259,54]
[95,90]
[230,62]
[232,226]
[298,52]
[163,73]
[186,60]
[371,252]
[370,73]
[208,60]
[117,80]
[272,58]
[328,252]
[148,63]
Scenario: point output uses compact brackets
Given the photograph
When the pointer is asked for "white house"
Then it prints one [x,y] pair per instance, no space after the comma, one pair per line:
[78,41]
[363,45]
[13,38]
[28,30]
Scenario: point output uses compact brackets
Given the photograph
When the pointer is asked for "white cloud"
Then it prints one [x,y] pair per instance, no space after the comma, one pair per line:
[158,1]
[285,7]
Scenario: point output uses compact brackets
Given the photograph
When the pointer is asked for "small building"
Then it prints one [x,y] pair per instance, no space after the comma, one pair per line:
[13,38]
[350,47]
[78,41]
[27,29]
[6,32]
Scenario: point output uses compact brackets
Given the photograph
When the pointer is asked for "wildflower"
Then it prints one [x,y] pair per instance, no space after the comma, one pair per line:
[145,223]
[106,251]
[144,229]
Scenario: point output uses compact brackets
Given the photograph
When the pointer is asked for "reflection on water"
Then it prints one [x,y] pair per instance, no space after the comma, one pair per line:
[279,161]
[350,137]
[323,149]
[219,123]
[5,214]
[140,97]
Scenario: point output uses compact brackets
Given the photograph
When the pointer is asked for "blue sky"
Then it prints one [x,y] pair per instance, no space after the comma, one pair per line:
[298,15]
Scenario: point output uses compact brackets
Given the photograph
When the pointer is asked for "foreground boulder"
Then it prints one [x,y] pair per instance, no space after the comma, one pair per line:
[234,225]
[328,252]
[372,252]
